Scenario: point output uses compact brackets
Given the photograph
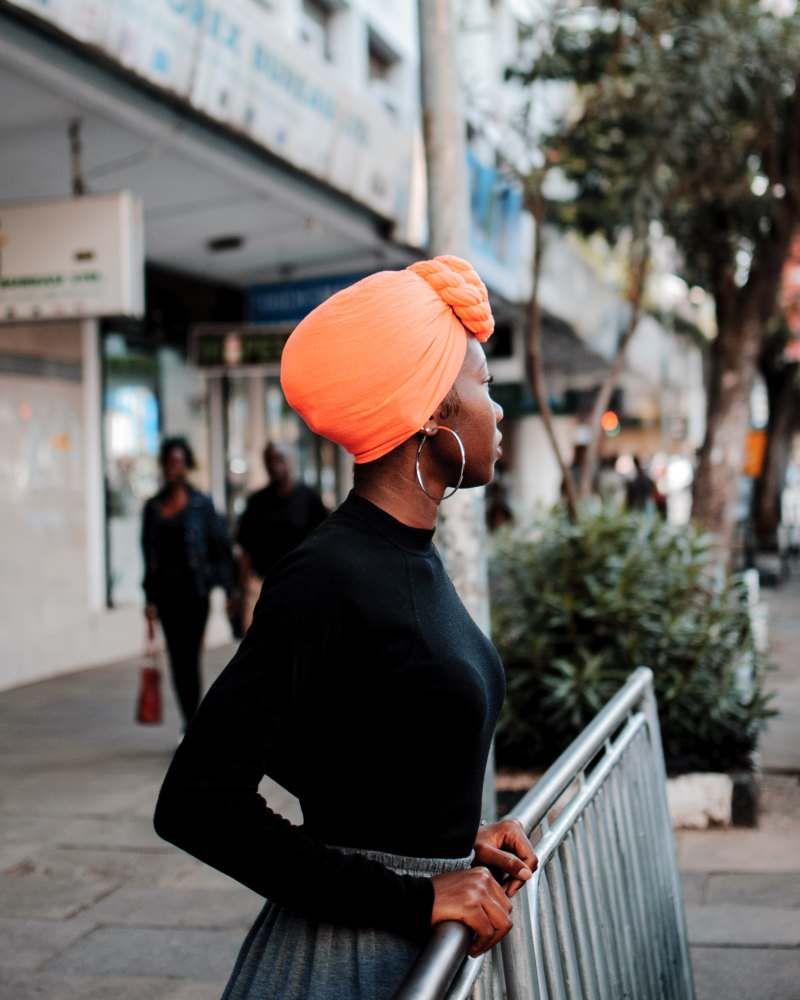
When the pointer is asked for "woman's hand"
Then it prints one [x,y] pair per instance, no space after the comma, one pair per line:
[473,898]
[503,847]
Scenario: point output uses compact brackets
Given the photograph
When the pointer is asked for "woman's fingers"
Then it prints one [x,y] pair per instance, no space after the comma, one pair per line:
[504,847]
[474,898]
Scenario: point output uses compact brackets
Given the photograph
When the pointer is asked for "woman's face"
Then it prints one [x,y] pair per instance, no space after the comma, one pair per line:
[475,422]
[175,467]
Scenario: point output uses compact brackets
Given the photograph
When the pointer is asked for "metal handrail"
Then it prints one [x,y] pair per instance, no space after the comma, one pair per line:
[623,733]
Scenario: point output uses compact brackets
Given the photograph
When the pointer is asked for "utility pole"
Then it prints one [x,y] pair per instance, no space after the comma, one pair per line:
[462,525]
[443,129]
[461,531]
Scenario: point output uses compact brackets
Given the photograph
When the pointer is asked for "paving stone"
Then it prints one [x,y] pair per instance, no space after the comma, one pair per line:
[693,887]
[746,974]
[281,801]
[28,827]
[25,944]
[105,796]
[200,876]
[41,897]
[110,831]
[136,868]
[207,908]
[142,951]
[12,856]
[46,986]
[744,927]
[737,849]
[757,889]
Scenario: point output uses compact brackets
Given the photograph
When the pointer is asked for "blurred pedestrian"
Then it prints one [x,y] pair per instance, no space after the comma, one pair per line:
[275,520]
[363,686]
[611,484]
[187,553]
[642,492]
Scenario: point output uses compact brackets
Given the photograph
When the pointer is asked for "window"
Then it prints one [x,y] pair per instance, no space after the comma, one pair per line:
[382,65]
[315,27]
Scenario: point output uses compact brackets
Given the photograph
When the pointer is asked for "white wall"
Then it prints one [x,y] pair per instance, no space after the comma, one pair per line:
[537,476]
[53,617]
[46,586]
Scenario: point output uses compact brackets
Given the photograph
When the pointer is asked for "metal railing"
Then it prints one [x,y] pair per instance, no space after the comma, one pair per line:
[603,915]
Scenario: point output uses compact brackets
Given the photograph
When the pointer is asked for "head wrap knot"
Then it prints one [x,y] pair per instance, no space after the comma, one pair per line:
[460,287]
[368,366]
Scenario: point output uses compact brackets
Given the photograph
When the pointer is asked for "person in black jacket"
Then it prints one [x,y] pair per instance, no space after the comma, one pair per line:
[275,520]
[187,553]
[363,686]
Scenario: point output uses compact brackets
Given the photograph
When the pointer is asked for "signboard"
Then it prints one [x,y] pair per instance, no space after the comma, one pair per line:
[72,257]
[292,300]
[754,448]
[224,346]
[233,61]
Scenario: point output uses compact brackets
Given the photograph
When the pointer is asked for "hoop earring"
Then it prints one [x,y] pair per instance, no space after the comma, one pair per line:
[463,465]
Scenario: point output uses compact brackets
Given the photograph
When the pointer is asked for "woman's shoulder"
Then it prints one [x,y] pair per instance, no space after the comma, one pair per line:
[198,500]
[340,556]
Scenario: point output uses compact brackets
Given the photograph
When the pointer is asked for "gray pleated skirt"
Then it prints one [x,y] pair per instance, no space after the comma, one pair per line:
[286,956]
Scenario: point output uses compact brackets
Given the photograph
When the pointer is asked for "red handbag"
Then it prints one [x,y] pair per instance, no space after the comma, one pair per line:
[149,706]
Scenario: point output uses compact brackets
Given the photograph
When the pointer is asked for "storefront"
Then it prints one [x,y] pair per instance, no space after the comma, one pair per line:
[240,369]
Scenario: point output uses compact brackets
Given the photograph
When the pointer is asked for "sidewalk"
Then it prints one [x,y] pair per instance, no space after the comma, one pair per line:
[93,906]
[742,886]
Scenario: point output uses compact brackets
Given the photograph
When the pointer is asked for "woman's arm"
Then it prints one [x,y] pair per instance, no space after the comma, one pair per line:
[210,805]
[220,550]
[149,581]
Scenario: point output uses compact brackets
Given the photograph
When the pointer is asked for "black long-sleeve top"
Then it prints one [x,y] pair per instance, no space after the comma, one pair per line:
[204,554]
[365,689]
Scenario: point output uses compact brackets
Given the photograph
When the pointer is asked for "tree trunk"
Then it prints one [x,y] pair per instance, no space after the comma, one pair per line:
[535,205]
[734,359]
[638,264]
[461,530]
[742,317]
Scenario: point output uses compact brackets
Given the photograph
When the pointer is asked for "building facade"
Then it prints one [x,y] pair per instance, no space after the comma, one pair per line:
[268,152]
[267,147]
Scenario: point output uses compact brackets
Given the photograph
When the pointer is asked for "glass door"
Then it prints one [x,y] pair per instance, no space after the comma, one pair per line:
[130,447]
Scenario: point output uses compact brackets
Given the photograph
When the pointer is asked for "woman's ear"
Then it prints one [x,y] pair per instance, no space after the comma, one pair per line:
[431,426]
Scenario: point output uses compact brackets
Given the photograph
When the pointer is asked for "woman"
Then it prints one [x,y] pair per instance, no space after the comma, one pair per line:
[363,686]
[186,554]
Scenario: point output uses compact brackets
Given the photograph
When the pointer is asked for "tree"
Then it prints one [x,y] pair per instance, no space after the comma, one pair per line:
[687,115]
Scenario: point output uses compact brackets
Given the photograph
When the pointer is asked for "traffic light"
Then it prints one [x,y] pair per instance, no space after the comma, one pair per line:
[610,424]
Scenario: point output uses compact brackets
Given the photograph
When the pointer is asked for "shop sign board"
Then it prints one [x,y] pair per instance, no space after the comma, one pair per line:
[292,300]
[232,60]
[223,346]
[72,257]
[754,448]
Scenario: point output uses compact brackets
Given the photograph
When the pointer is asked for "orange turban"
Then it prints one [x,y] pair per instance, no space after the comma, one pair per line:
[368,366]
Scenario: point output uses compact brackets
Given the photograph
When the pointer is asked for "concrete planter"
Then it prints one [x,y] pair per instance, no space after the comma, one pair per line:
[696,801]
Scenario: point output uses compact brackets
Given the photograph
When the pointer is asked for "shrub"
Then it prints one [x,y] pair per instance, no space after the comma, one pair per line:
[577,607]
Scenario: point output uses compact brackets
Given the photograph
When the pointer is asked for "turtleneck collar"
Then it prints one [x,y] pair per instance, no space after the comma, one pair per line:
[419,540]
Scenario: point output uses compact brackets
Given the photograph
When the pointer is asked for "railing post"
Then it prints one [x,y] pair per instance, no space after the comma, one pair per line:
[603,914]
